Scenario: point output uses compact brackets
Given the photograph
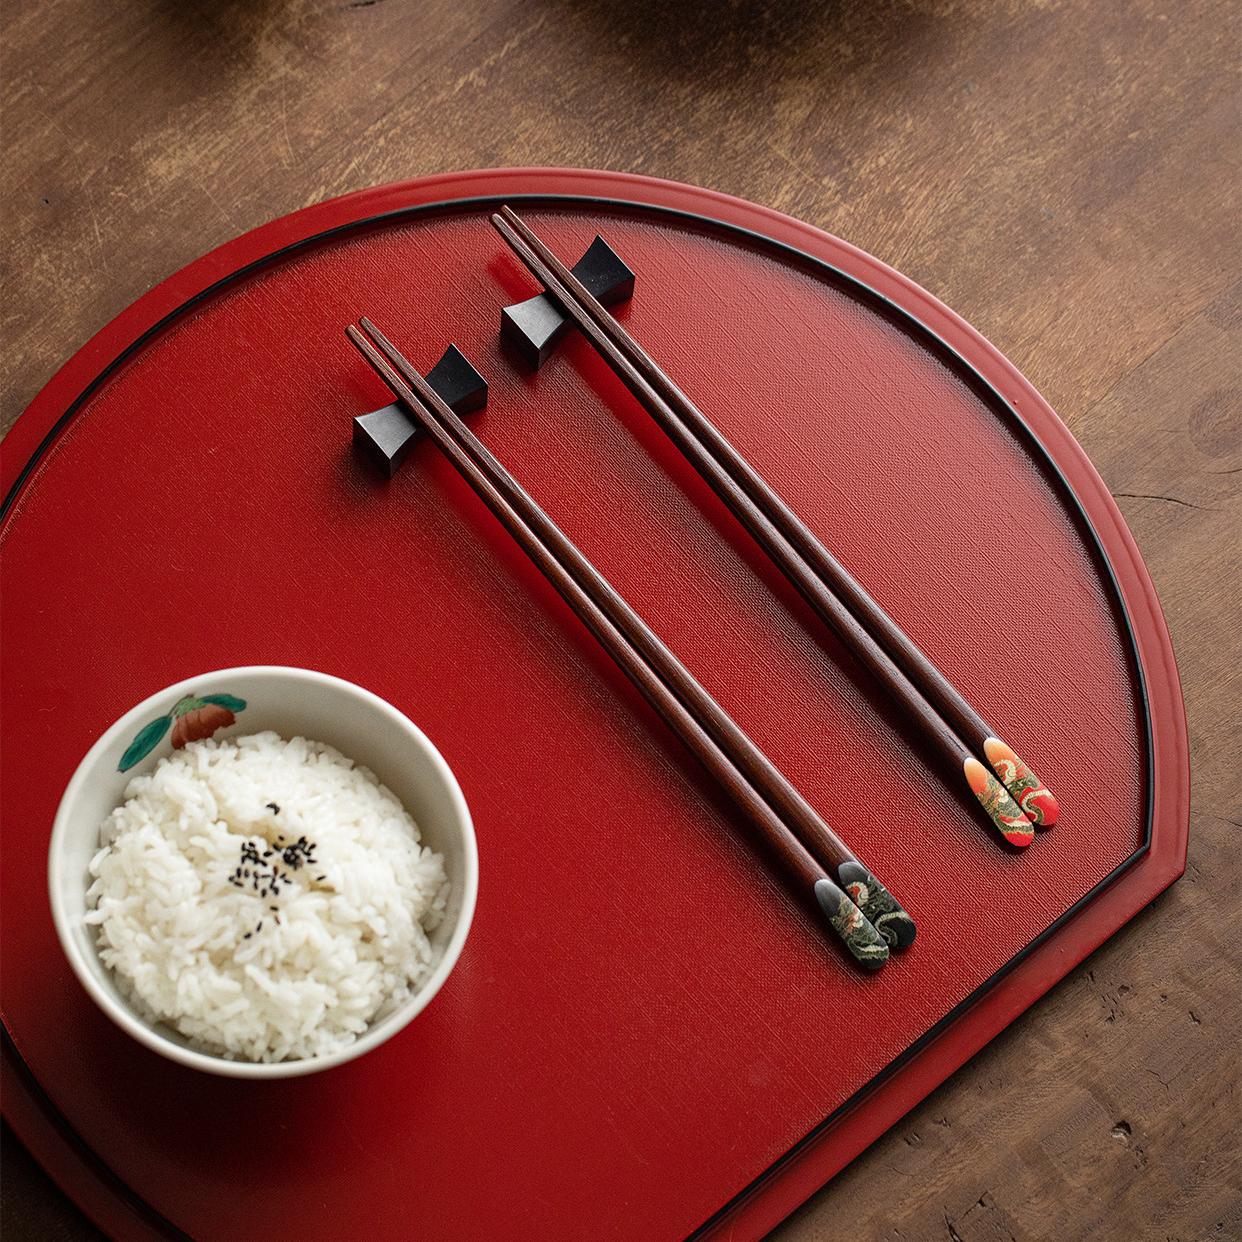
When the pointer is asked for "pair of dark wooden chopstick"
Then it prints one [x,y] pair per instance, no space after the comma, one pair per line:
[860,909]
[1017,802]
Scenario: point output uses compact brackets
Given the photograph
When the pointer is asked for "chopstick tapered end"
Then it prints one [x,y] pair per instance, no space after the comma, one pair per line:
[877,904]
[1003,811]
[857,932]
[1026,789]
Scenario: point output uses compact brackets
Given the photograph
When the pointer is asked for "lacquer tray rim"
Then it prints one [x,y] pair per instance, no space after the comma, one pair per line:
[923,1066]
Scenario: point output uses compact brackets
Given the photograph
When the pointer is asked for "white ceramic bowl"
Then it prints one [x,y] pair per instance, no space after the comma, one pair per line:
[291,701]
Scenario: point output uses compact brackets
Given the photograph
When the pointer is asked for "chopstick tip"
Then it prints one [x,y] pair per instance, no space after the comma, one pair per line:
[1004,812]
[877,904]
[1026,789]
[857,932]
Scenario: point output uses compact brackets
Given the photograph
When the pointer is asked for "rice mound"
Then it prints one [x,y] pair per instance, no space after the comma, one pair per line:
[195,942]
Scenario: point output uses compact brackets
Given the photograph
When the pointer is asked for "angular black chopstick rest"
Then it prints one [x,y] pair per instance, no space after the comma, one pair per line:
[386,436]
[532,327]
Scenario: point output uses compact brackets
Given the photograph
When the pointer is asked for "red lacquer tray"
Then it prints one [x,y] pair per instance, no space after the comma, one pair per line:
[645,1036]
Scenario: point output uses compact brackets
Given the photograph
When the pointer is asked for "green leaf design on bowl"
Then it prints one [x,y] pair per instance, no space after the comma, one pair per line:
[229,701]
[148,738]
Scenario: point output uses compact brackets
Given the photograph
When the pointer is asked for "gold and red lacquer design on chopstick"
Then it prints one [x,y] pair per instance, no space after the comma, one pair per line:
[1003,810]
[1026,789]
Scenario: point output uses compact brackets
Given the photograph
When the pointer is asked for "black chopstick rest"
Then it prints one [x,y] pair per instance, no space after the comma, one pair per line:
[532,327]
[386,436]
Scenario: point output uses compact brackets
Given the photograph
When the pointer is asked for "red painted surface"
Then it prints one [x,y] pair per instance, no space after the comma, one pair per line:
[642,1023]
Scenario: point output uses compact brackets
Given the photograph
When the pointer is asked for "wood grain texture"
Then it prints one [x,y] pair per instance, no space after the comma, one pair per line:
[1063,175]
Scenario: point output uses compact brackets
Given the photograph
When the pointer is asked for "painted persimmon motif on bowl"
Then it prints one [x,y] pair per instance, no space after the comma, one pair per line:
[191,718]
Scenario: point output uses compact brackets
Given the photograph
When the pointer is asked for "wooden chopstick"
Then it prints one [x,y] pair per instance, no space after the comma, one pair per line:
[680,420]
[832,853]
[860,936]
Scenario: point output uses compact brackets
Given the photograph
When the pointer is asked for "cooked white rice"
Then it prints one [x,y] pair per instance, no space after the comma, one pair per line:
[193,940]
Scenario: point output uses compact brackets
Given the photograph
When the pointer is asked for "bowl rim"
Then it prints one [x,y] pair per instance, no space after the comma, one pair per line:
[129,1021]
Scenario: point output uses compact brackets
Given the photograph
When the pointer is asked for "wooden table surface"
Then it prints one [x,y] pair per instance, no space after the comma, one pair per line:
[1064,175]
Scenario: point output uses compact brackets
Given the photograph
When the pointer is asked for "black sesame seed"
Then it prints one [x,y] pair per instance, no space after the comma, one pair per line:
[271,806]
[246,936]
